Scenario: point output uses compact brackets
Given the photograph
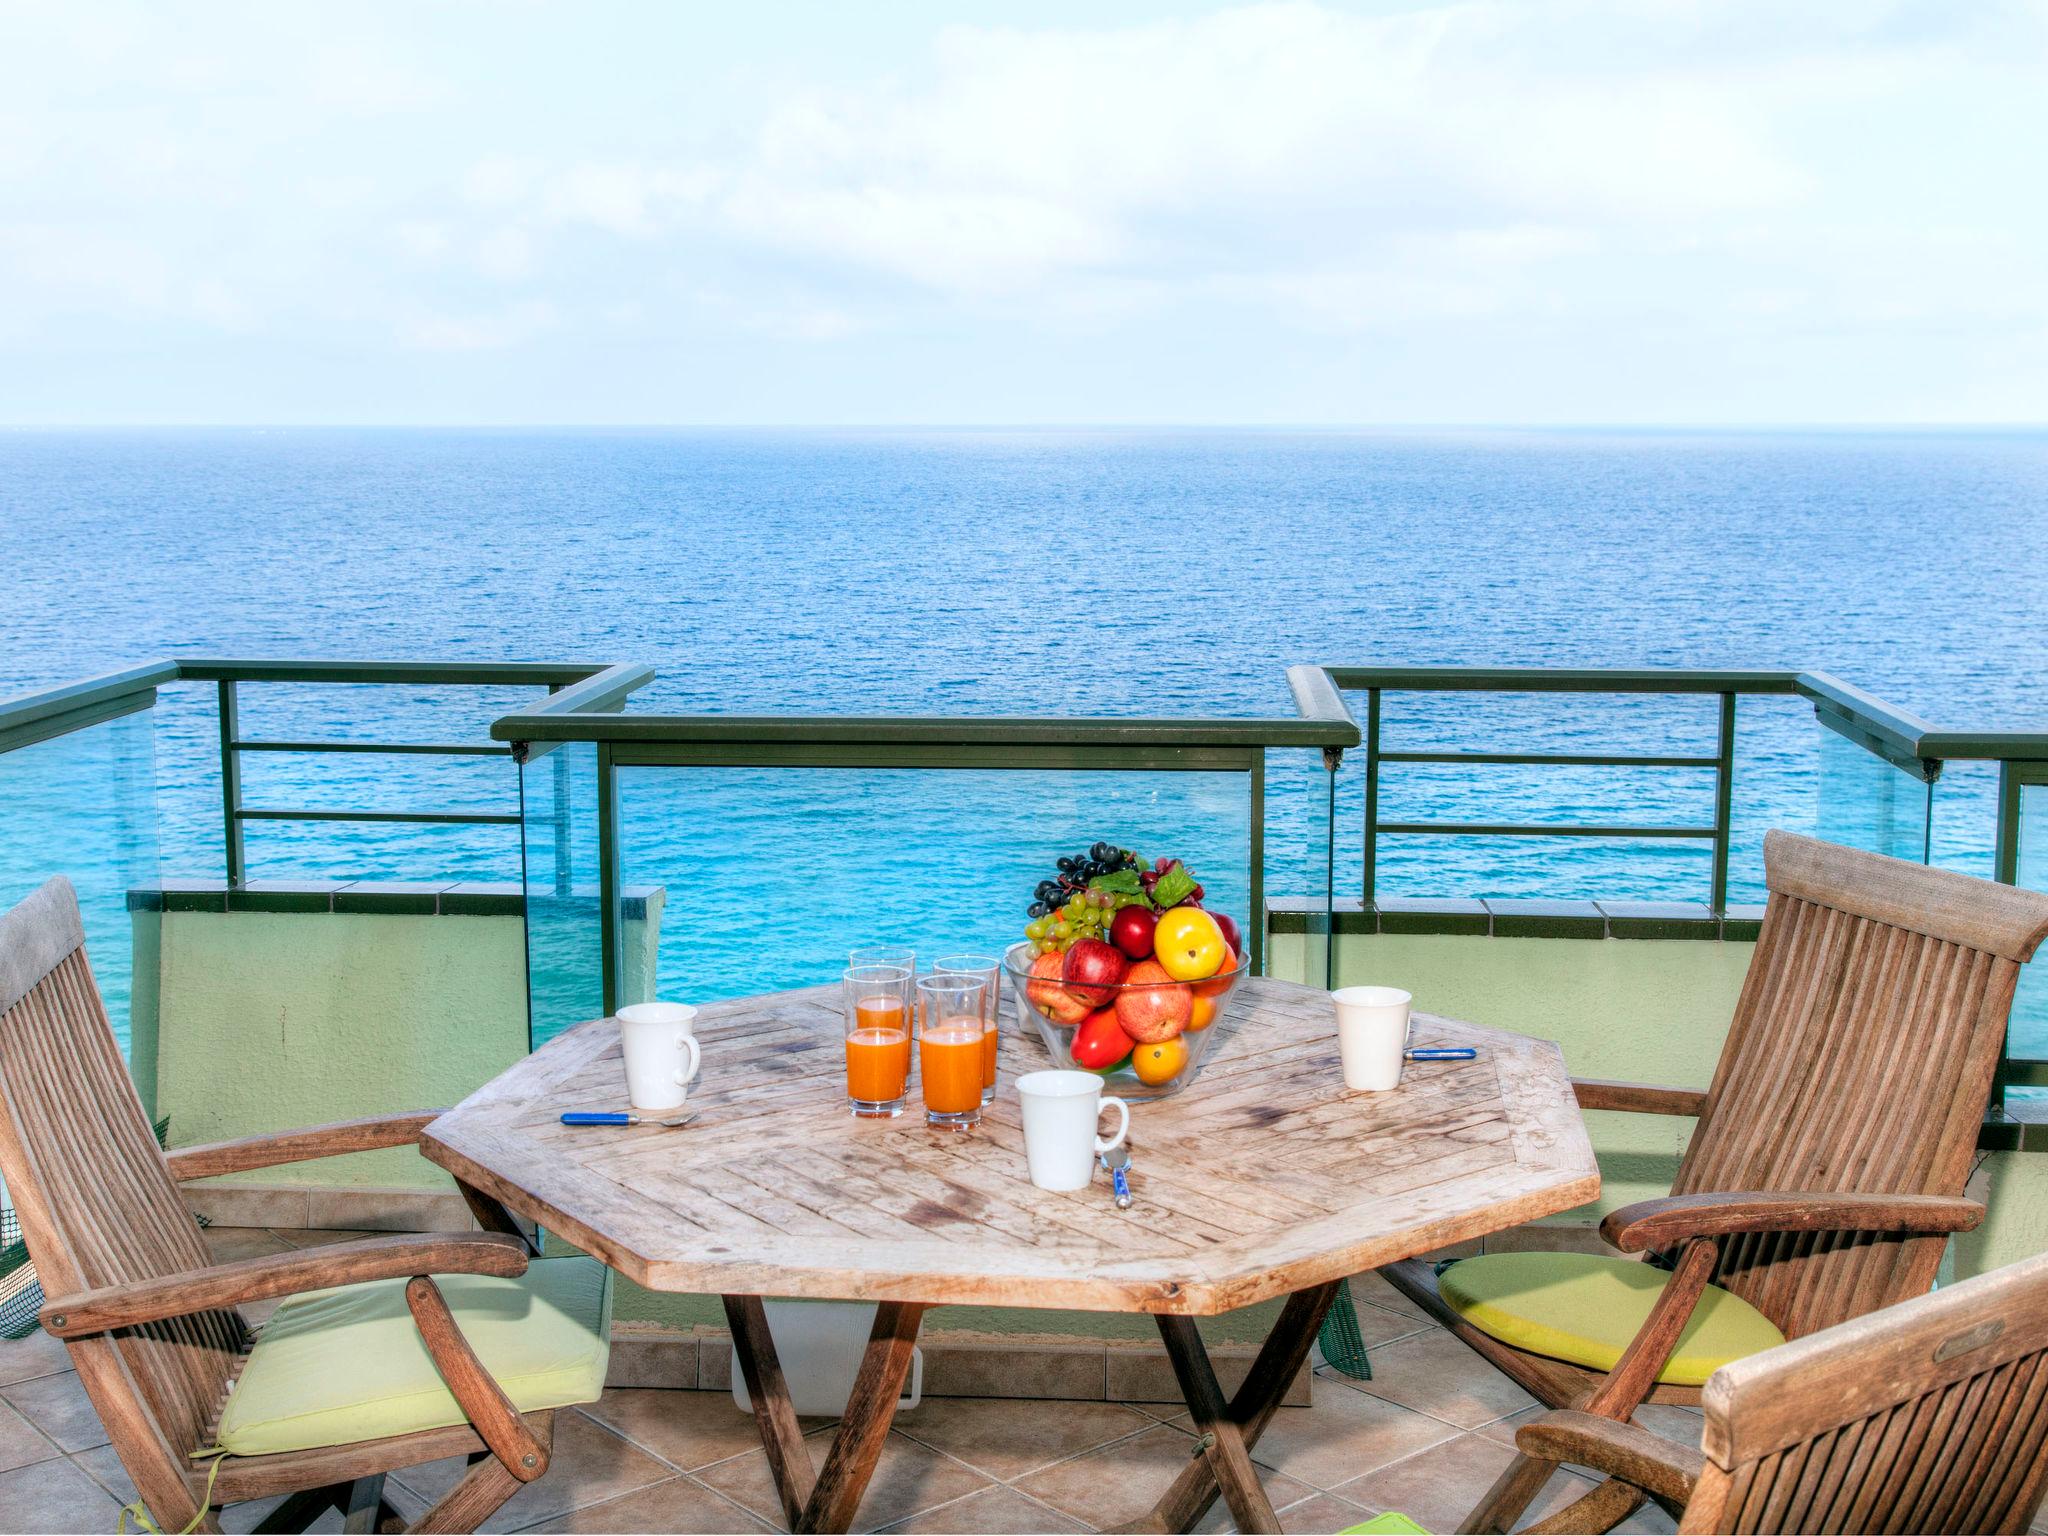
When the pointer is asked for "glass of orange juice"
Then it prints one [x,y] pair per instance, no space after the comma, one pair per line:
[989,969]
[950,1049]
[877,1040]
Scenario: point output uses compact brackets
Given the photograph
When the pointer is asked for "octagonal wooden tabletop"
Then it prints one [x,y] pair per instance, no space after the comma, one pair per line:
[1263,1177]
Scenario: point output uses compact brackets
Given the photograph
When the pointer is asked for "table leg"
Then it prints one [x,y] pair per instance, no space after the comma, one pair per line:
[1230,1430]
[827,1500]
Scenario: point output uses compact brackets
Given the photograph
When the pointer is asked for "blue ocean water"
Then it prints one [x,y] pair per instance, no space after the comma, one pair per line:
[1020,572]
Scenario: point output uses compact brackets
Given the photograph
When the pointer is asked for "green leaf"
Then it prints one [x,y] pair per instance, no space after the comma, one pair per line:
[1173,887]
[1123,882]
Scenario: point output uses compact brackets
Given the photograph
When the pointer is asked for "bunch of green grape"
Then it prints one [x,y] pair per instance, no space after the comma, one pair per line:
[1085,915]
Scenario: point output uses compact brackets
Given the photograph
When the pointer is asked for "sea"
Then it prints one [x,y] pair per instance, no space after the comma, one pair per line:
[1098,572]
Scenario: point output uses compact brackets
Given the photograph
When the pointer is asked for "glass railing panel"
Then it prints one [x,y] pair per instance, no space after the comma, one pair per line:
[1867,802]
[83,806]
[766,877]
[564,928]
[1301,864]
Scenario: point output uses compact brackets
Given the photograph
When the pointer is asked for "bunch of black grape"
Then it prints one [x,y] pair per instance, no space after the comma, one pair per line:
[1064,909]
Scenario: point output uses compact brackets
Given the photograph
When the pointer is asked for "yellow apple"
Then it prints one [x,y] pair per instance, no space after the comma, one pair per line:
[1189,944]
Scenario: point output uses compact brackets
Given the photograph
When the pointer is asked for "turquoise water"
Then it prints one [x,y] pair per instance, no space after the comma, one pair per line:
[1011,572]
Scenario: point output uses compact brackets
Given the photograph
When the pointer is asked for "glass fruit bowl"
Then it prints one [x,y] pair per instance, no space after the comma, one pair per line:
[1062,1010]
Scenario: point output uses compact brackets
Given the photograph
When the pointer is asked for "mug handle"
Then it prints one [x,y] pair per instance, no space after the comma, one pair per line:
[688,1043]
[1111,1143]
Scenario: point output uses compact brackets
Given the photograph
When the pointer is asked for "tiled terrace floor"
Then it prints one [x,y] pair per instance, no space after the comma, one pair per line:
[1425,1436]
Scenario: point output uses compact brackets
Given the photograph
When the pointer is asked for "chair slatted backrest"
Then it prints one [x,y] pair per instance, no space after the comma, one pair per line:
[97,1202]
[1860,1059]
[1930,1416]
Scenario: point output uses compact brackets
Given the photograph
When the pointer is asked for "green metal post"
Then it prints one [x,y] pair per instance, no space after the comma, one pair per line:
[1372,794]
[230,783]
[1256,864]
[1724,802]
[608,873]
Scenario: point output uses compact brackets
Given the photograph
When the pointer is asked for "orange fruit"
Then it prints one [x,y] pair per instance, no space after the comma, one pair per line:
[1202,1012]
[1220,984]
[1159,1062]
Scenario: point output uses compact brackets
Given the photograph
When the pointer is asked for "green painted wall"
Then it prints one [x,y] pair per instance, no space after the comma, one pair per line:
[268,1020]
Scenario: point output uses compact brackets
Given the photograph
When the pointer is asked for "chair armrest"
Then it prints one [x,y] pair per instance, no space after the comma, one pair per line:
[1638,1098]
[1629,1452]
[1663,1223]
[282,1274]
[274,1147]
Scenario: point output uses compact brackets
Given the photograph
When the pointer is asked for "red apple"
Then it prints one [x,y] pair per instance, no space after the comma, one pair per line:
[1131,931]
[1046,993]
[1093,970]
[1152,1005]
[1230,935]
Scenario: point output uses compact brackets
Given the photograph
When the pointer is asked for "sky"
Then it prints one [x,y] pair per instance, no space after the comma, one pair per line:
[1538,211]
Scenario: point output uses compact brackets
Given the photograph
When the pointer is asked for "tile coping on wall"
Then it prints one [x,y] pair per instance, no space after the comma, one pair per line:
[409,898]
[1504,917]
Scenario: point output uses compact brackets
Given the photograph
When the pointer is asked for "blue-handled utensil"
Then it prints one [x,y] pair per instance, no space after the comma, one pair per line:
[1118,1161]
[619,1117]
[1443,1053]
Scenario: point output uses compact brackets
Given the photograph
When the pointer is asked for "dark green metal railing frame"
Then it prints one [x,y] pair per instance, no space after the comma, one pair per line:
[1904,740]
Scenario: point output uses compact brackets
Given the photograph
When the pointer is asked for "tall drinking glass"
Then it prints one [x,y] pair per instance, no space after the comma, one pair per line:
[884,954]
[989,969]
[877,1040]
[949,1049]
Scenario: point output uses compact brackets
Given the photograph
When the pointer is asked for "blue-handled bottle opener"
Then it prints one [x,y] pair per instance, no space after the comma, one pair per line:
[1443,1053]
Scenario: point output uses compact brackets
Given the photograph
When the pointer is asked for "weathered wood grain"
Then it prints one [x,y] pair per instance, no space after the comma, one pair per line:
[1262,1178]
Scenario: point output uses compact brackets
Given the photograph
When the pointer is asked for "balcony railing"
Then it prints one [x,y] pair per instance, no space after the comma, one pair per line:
[584,705]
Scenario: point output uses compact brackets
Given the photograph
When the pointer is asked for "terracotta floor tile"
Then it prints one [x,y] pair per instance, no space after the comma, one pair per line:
[1437,1488]
[680,1504]
[992,1510]
[1008,1438]
[54,1496]
[687,1429]
[1121,1482]
[1435,1374]
[21,1442]
[1371,1289]
[103,1466]
[589,1463]
[909,1479]
[36,1355]
[58,1406]
[1345,1435]
[1322,1514]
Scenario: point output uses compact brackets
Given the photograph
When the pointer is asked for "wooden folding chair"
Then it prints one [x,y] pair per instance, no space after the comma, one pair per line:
[1824,1175]
[1928,1416]
[418,1350]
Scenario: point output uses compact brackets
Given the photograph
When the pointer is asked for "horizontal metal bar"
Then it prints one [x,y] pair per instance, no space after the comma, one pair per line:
[1316,697]
[423,674]
[1563,680]
[1517,829]
[423,818]
[927,730]
[1557,759]
[407,748]
[1895,728]
[923,756]
[2020,1072]
[601,691]
[1998,746]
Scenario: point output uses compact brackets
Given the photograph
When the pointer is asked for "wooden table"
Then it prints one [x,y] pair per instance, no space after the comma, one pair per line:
[1263,1178]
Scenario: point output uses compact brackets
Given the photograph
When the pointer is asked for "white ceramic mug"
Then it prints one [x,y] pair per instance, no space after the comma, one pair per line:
[657,1040]
[1061,1110]
[1372,1035]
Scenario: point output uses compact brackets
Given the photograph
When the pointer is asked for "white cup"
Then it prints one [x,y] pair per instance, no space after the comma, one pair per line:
[1372,1035]
[657,1040]
[1060,1114]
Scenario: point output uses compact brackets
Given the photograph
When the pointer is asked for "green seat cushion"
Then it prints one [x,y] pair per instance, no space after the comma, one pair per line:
[337,1366]
[1586,1308]
[1389,1524]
